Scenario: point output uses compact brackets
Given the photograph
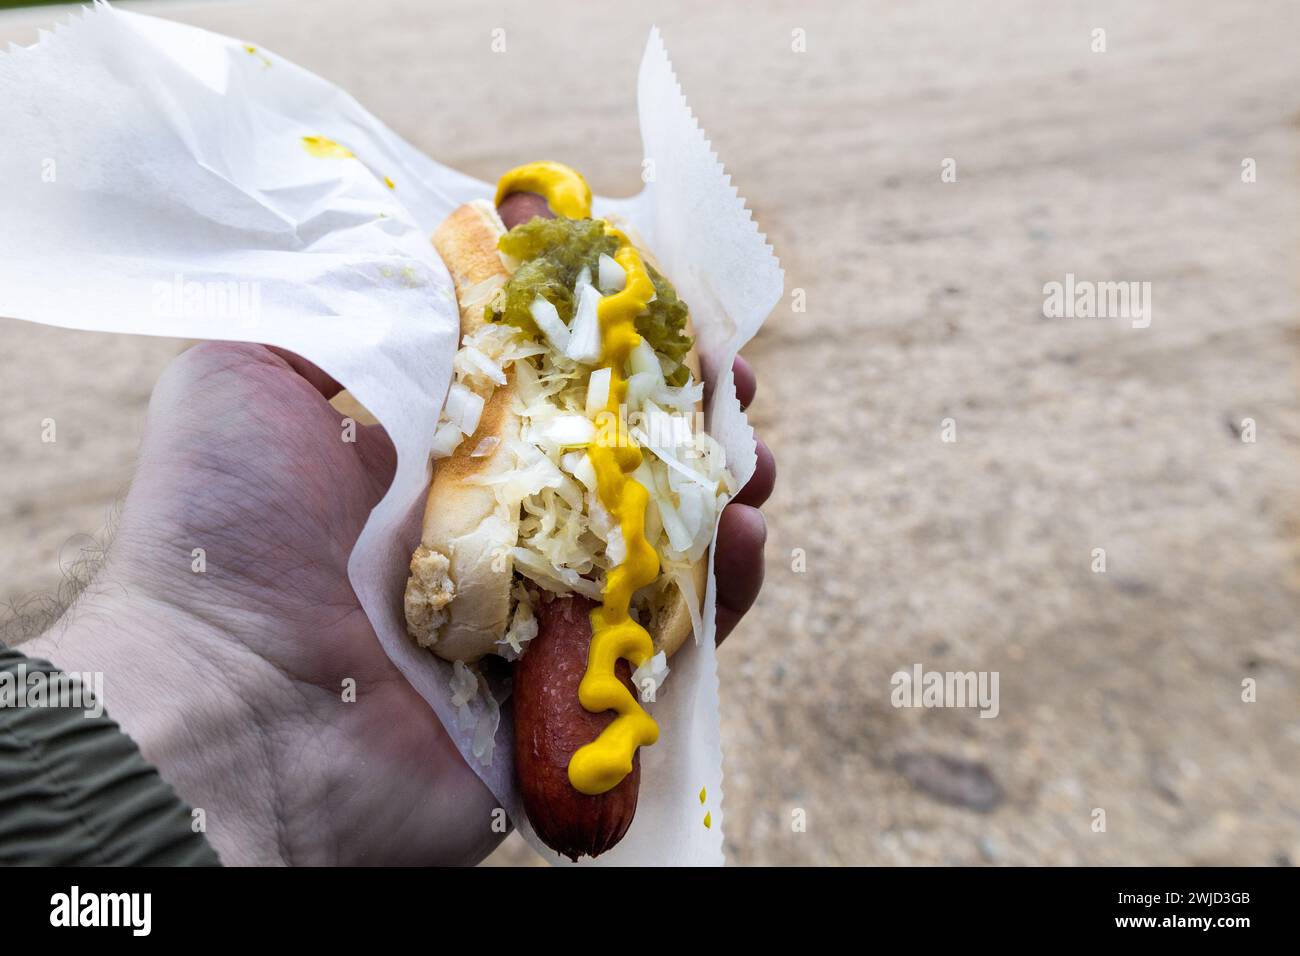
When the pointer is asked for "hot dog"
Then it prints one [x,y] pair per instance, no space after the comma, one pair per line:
[517,208]
[561,531]
[550,726]
[550,723]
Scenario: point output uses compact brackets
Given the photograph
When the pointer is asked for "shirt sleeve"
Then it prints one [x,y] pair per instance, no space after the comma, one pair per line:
[74,789]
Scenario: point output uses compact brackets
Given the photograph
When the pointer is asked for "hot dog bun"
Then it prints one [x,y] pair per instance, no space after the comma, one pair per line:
[458,595]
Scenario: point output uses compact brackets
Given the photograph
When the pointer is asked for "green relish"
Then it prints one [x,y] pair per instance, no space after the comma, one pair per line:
[551,253]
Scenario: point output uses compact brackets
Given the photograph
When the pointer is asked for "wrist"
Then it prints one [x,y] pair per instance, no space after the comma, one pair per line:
[186,694]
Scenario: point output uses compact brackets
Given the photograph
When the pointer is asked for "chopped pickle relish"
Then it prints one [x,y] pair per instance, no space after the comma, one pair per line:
[551,253]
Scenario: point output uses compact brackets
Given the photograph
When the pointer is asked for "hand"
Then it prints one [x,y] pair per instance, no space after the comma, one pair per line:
[742,531]
[231,680]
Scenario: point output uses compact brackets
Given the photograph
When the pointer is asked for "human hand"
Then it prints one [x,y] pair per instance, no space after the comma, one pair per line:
[231,681]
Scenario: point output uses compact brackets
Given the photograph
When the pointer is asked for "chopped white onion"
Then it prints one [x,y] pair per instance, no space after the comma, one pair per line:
[446,439]
[615,547]
[584,331]
[570,431]
[579,466]
[650,676]
[611,276]
[486,446]
[598,386]
[464,408]
[584,280]
[549,321]
[640,387]
[644,359]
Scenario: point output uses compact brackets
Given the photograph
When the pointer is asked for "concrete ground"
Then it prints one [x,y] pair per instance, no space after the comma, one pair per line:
[1120,691]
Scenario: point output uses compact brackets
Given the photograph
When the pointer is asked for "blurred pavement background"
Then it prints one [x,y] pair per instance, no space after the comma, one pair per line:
[1119,690]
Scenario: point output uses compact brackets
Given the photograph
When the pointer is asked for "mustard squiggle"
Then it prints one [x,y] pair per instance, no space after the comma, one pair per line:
[600,765]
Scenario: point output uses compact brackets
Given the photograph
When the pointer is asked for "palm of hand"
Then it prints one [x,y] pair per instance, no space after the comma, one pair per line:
[246,460]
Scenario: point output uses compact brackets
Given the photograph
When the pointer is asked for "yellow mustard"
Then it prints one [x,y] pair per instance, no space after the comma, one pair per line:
[322,147]
[566,192]
[601,764]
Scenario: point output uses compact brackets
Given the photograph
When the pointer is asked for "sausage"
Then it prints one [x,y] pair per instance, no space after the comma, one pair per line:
[521,207]
[550,725]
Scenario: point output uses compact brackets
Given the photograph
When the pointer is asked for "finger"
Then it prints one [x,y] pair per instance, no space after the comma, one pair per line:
[759,487]
[746,381]
[378,455]
[742,533]
[727,620]
[318,379]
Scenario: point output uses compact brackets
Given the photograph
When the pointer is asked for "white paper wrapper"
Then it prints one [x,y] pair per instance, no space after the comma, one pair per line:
[142,156]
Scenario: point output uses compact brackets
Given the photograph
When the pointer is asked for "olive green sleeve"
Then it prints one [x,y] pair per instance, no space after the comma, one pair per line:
[75,790]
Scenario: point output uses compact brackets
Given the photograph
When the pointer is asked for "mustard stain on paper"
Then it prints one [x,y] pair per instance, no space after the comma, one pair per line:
[254,51]
[322,147]
[407,276]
